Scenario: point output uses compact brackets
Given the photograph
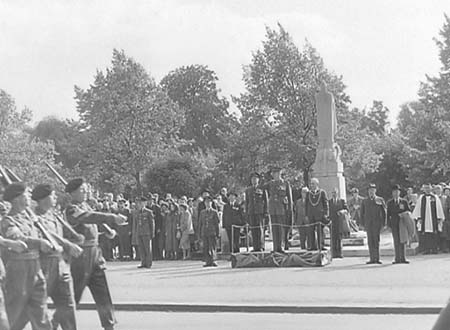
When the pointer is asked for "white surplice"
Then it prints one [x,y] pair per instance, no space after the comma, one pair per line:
[428,221]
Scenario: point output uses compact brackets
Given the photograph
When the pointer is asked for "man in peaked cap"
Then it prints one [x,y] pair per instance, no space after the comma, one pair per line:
[209,231]
[55,264]
[280,209]
[256,203]
[143,231]
[373,215]
[395,207]
[89,268]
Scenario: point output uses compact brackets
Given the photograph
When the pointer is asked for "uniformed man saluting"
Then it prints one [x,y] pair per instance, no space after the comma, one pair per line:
[144,231]
[26,291]
[280,209]
[256,201]
[55,265]
[89,268]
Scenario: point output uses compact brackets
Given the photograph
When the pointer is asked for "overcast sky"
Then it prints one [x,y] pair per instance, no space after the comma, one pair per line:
[383,49]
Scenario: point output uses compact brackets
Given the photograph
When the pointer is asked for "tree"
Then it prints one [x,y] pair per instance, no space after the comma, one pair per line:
[17,149]
[64,135]
[280,83]
[126,119]
[425,124]
[207,121]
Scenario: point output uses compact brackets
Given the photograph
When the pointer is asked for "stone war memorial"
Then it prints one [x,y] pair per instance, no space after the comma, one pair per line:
[328,167]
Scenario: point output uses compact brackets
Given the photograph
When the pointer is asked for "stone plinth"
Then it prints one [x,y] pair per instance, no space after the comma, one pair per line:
[328,168]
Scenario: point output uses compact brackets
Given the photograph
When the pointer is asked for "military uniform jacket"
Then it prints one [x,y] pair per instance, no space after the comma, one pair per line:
[84,221]
[256,200]
[232,215]
[20,226]
[143,223]
[394,209]
[373,213]
[209,223]
[280,198]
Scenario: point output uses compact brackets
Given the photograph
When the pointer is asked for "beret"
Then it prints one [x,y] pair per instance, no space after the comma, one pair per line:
[354,190]
[372,185]
[255,175]
[14,190]
[207,197]
[74,184]
[206,191]
[41,191]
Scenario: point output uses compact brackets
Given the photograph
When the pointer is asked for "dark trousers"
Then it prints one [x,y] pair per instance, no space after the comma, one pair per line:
[373,240]
[89,270]
[26,295]
[257,224]
[278,232]
[60,289]
[233,234]
[124,242]
[106,247]
[157,253]
[145,250]
[209,249]
[399,248]
[303,236]
[316,235]
[336,240]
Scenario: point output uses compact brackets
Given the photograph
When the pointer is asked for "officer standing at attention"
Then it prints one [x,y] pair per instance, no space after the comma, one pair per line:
[373,215]
[89,268]
[280,209]
[256,202]
[209,231]
[144,229]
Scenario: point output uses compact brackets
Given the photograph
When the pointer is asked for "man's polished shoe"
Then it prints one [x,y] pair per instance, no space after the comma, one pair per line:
[213,264]
[141,266]
[404,262]
[378,262]
[370,262]
[395,262]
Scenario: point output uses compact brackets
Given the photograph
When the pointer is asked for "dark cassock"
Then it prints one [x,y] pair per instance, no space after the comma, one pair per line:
[336,205]
[429,215]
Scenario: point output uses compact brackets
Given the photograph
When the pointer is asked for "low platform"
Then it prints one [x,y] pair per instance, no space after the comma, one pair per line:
[274,259]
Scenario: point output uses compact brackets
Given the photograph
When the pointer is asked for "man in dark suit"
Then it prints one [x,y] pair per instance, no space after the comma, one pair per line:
[232,216]
[256,202]
[373,216]
[336,205]
[395,207]
[317,211]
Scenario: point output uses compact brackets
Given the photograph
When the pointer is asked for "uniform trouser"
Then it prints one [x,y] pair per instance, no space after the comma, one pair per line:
[145,250]
[278,231]
[209,249]
[26,295]
[89,270]
[60,289]
[399,248]
[4,324]
[233,234]
[373,241]
[257,224]
[124,242]
[336,240]
[106,247]
[157,254]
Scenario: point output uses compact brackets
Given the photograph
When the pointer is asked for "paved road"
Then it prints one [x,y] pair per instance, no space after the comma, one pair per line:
[347,282]
[225,321]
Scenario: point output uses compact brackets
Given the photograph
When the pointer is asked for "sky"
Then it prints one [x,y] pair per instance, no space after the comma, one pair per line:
[383,49]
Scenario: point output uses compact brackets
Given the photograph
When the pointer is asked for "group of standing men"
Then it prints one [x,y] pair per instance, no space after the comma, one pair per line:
[49,257]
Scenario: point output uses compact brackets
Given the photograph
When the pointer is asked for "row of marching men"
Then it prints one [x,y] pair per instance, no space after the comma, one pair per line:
[47,254]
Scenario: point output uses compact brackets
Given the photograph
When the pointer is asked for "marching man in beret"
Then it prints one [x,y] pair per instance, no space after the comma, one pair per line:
[89,269]
[55,265]
[26,292]
[373,215]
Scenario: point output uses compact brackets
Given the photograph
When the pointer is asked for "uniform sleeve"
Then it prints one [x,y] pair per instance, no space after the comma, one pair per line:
[217,225]
[389,214]
[152,224]
[75,216]
[11,231]
[383,211]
